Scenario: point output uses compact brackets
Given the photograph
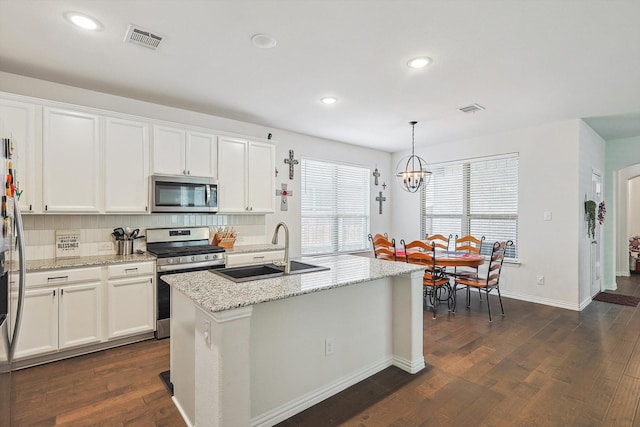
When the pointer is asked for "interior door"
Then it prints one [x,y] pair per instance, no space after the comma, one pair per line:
[596,195]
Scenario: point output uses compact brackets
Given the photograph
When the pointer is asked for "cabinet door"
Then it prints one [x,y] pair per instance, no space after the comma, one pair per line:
[201,154]
[39,326]
[169,147]
[71,161]
[232,175]
[261,171]
[131,306]
[126,166]
[79,315]
[18,121]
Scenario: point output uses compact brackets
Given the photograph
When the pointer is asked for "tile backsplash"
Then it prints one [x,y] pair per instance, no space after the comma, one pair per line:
[95,230]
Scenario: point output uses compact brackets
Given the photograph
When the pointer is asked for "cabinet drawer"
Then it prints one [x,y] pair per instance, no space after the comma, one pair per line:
[63,276]
[130,270]
[254,258]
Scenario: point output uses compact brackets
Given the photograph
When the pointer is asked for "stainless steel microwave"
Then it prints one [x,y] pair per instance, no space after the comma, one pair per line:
[183,194]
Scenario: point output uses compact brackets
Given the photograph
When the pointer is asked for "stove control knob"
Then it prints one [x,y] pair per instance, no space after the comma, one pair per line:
[169,261]
[206,257]
[193,258]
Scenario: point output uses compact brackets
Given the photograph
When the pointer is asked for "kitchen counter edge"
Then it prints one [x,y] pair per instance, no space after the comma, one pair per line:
[85,261]
[215,294]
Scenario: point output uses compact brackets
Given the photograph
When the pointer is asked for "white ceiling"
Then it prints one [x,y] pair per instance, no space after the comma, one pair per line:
[527,61]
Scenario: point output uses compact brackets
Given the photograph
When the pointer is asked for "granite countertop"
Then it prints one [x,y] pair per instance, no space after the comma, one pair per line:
[86,261]
[215,293]
[264,247]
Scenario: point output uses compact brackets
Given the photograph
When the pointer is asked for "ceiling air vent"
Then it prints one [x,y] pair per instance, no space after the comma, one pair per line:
[143,37]
[471,108]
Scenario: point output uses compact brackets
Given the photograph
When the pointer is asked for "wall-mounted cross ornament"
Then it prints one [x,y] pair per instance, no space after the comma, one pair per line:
[291,162]
[381,199]
[284,193]
[376,175]
[384,185]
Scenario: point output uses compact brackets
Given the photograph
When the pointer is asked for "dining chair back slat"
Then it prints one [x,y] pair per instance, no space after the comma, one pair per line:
[383,248]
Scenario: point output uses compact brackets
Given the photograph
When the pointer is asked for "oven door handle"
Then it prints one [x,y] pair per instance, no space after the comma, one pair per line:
[214,264]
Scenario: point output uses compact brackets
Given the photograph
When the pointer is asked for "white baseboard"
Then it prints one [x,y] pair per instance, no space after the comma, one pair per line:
[301,403]
[541,300]
[410,366]
[183,414]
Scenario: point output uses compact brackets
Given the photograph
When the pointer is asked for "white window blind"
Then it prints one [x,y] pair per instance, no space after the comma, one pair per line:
[335,208]
[477,197]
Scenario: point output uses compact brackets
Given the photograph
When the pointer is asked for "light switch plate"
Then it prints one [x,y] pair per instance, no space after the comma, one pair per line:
[547,215]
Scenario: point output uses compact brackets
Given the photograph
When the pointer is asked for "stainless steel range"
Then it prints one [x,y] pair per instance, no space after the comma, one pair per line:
[179,250]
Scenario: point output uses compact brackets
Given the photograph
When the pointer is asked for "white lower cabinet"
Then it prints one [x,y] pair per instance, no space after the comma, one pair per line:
[79,308]
[130,297]
[61,317]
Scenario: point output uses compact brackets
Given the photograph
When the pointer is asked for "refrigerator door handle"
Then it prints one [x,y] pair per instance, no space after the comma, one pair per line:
[21,278]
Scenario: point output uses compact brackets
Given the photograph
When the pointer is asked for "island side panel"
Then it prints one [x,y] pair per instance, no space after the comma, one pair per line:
[183,315]
[222,392]
[290,367]
[408,352]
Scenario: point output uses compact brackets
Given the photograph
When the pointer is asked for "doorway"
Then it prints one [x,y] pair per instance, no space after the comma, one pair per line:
[595,261]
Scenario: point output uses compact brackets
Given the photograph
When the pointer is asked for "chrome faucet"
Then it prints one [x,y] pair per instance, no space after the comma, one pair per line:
[287,265]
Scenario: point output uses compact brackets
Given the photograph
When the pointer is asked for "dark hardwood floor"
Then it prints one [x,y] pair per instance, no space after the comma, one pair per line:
[538,366]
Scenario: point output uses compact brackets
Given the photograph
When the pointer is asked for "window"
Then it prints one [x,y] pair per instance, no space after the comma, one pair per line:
[478,197]
[335,208]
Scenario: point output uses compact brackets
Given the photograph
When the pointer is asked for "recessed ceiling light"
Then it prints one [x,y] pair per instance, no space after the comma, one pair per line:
[83,21]
[419,62]
[263,41]
[328,100]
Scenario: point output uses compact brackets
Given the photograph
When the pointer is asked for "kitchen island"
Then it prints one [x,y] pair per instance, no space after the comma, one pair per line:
[258,352]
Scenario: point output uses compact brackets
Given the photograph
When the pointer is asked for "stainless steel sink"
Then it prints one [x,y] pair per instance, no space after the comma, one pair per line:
[267,271]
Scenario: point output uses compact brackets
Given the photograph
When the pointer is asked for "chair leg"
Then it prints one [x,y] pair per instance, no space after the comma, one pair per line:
[480,294]
[500,299]
[468,297]
[455,297]
[488,304]
[434,300]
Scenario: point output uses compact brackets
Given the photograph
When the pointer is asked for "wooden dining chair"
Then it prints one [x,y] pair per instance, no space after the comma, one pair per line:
[490,282]
[440,241]
[434,282]
[383,248]
[471,245]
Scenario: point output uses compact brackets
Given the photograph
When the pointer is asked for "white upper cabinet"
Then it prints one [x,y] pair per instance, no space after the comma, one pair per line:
[71,162]
[261,171]
[126,160]
[22,122]
[246,176]
[178,151]
[201,154]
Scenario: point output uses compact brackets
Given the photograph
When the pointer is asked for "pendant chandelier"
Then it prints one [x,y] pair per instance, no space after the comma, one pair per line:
[412,171]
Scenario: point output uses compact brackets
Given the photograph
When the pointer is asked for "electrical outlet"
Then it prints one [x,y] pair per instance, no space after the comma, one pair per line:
[540,280]
[329,345]
[105,246]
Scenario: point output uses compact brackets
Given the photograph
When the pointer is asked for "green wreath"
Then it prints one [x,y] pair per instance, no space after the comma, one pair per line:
[590,211]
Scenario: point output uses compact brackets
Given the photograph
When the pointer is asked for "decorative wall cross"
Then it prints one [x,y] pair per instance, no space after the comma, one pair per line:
[376,175]
[284,193]
[381,199]
[291,162]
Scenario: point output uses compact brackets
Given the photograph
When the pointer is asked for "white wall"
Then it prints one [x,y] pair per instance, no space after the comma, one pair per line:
[548,181]
[620,154]
[633,216]
[304,146]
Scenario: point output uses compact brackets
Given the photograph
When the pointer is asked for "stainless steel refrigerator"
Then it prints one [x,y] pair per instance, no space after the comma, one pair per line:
[12,282]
